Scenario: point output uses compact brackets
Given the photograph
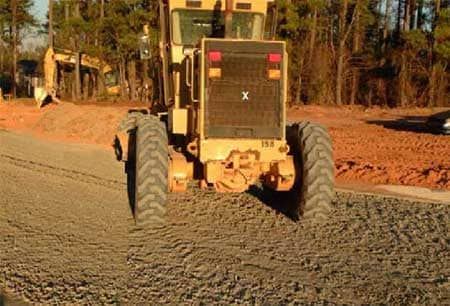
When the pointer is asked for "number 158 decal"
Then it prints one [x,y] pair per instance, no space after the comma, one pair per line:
[268,143]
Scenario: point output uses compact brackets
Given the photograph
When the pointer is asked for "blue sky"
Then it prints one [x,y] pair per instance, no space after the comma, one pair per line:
[40,9]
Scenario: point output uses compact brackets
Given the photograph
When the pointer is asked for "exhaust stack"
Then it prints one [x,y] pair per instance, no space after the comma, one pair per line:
[229,18]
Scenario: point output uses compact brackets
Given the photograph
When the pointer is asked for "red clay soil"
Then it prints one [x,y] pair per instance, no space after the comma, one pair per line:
[67,122]
[380,146]
[376,146]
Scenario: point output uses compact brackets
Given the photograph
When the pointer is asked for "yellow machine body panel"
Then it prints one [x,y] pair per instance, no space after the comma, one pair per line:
[225,88]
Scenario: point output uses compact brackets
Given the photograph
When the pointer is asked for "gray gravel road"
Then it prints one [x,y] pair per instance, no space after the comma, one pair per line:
[67,236]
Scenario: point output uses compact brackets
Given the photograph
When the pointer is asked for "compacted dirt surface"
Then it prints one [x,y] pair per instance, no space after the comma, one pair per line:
[67,236]
[376,146]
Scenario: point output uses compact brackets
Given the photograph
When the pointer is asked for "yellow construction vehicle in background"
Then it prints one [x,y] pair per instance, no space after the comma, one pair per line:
[55,62]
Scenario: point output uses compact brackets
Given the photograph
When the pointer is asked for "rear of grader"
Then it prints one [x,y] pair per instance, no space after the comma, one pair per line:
[221,114]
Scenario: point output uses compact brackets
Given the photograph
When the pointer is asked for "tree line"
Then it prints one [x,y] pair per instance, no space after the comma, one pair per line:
[347,52]
[369,52]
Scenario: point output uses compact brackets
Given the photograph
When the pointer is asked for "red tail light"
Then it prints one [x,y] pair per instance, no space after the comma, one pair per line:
[274,57]
[215,56]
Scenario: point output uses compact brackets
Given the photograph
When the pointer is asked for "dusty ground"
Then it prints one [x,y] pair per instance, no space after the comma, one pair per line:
[67,236]
[371,146]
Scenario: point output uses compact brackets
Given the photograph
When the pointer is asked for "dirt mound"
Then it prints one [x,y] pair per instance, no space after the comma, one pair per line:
[68,122]
[89,124]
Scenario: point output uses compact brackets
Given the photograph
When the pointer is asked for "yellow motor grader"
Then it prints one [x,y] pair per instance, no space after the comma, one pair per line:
[221,114]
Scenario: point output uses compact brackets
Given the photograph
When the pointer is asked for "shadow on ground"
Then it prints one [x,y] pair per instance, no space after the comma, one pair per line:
[275,200]
[416,124]
[8,301]
[130,164]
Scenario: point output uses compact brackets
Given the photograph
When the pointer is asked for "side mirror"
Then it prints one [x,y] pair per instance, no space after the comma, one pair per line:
[145,47]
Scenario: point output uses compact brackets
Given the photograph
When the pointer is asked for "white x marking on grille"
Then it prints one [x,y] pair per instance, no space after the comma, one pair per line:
[245,96]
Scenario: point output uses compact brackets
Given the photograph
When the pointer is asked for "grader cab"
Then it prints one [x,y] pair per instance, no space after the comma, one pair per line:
[221,114]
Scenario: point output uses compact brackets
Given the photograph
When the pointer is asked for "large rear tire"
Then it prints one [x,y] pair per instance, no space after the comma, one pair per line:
[151,174]
[313,191]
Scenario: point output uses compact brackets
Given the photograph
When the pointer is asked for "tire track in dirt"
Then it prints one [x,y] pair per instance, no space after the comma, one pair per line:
[234,249]
[62,172]
[67,236]
[63,234]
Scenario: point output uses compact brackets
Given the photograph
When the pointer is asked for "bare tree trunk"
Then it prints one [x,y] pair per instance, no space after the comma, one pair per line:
[77,55]
[386,25]
[93,84]
[341,51]
[145,80]
[101,87]
[298,94]
[442,86]
[77,76]
[14,42]
[420,19]
[50,23]
[123,81]
[2,49]
[85,86]
[403,77]
[356,48]
[66,11]
[132,78]
[399,17]
[433,73]
[339,73]
[2,54]
[354,92]
[312,39]
[437,11]
[432,86]
[407,17]
[102,9]
[73,89]
[369,98]
[413,21]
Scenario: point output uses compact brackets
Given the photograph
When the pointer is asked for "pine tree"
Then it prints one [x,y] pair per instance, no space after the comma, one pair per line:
[15,17]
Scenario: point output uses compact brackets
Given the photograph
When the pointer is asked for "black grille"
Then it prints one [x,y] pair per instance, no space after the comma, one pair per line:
[243,103]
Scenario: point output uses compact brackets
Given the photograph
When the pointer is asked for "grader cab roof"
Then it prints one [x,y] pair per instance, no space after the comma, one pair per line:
[257,6]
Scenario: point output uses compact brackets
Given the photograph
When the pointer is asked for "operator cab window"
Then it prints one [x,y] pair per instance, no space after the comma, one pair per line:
[111,78]
[189,26]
